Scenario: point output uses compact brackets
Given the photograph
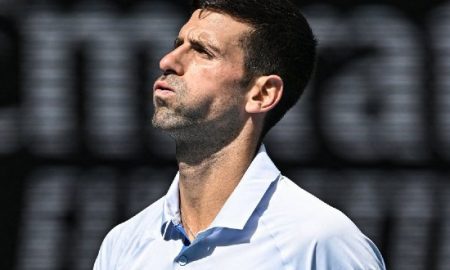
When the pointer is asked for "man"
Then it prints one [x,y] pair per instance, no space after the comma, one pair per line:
[236,68]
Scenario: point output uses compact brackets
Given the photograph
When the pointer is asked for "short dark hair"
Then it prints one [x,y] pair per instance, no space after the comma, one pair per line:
[281,43]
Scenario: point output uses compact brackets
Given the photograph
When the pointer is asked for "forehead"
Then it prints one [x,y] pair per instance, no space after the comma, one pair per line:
[219,28]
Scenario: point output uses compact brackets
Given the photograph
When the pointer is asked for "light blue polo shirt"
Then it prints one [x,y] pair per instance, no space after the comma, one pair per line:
[268,222]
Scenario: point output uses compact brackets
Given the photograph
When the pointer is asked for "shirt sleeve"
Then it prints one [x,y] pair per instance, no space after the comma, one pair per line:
[348,251]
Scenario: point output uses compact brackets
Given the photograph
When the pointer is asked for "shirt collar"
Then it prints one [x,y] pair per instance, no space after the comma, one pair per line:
[243,200]
[171,207]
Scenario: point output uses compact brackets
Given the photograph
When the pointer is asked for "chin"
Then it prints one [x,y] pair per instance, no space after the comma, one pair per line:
[169,123]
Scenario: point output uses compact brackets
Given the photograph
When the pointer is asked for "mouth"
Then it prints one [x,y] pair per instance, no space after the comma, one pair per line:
[163,88]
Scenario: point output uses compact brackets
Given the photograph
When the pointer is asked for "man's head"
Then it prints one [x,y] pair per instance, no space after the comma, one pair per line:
[233,59]
[281,42]
[200,95]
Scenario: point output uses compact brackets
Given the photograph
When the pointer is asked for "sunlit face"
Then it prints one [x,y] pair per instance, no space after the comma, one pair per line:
[201,86]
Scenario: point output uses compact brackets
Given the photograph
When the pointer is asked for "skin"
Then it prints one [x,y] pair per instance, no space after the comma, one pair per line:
[214,120]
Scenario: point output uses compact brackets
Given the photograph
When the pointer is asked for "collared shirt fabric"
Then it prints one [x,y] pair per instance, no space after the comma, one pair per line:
[267,223]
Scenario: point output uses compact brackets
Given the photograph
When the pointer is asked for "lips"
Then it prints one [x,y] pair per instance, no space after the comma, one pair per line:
[161,86]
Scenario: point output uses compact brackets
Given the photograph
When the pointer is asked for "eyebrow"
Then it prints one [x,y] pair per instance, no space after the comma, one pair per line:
[197,42]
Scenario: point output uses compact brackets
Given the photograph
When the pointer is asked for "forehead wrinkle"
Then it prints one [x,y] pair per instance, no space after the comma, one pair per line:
[203,38]
[196,31]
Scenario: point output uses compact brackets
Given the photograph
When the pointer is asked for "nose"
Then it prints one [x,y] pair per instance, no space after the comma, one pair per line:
[171,63]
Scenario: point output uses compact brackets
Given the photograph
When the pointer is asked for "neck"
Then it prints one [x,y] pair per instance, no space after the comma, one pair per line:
[208,173]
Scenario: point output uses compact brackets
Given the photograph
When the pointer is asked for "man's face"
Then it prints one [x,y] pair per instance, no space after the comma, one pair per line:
[201,86]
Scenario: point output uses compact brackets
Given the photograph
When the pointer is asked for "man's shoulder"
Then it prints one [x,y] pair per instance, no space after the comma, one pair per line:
[128,235]
[299,220]
[140,223]
[296,212]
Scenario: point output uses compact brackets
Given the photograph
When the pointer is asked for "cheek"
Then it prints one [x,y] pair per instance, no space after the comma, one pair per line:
[218,78]
[202,83]
[216,83]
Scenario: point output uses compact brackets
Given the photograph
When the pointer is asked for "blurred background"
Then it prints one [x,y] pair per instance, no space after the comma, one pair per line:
[371,135]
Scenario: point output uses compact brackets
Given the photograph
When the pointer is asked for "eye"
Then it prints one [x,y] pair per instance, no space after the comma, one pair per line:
[202,50]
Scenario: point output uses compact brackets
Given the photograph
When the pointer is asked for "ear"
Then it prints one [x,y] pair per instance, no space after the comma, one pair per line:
[265,93]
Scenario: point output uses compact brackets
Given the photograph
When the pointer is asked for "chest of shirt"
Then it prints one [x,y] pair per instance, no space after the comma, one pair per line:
[161,254]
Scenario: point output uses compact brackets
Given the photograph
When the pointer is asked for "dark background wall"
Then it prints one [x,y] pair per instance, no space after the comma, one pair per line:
[78,155]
